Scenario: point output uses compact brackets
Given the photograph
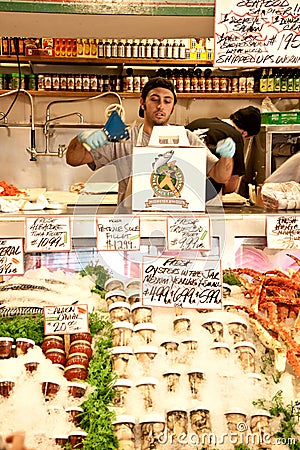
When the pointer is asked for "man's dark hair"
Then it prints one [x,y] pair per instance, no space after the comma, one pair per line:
[157,82]
[248,119]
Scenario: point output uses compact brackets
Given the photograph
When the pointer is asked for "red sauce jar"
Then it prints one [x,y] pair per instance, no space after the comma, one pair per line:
[56,355]
[78,358]
[76,371]
[23,345]
[50,388]
[51,342]
[5,346]
[6,387]
[81,347]
[76,390]
[76,439]
[31,366]
[81,337]
[74,414]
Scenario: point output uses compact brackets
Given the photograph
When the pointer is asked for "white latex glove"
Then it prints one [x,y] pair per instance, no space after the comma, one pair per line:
[94,139]
[226,148]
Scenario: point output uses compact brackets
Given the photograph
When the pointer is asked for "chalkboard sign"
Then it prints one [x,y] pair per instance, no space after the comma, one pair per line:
[181,282]
[66,319]
[283,231]
[48,234]
[11,257]
[118,233]
[257,33]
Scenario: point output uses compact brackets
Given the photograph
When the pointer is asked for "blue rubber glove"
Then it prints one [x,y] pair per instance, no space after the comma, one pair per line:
[94,139]
[226,148]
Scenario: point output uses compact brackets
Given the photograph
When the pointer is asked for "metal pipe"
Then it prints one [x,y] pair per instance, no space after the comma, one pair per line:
[46,133]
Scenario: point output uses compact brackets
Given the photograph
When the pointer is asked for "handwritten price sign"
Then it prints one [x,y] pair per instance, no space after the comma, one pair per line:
[188,233]
[257,33]
[118,233]
[181,282]
[11,257]
[48,234]
[283,231]
[66,319]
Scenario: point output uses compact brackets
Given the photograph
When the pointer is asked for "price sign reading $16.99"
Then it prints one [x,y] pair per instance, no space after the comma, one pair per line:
[66,319]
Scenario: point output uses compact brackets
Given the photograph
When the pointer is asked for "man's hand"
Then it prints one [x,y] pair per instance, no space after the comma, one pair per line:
[226,148]
[17,441]
[94,139]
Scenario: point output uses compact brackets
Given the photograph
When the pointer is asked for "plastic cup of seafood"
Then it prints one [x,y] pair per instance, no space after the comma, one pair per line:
[145,331]
[181,324]
[200,419]
[246,354]
[52,342]
[76,390]
[31,366]
[74,414]
[61,440]
[119,312]
[76,439]
[196,379]
[5,346]
[170,349]
[221,349]
[177,421]
[120,359]
[172,380]
[122,333]
[81,337]
[121,388]
[234,418]
[50,388]
[81,347]
[78,358]
[152,428]
[133,296]
[113,284]
[117,295]
[215,328]
[260,422]
[76,371]
[6,387]
[146,387]
[237,329]
[145,353]
[133,283]
[56,355]
[141,313]
[23,345]
[124,431]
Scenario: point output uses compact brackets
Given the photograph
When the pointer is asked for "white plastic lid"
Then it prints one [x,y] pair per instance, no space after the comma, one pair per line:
[119,349]
[147,380]
[236,410]
[119,305]
[145,349]
[132,281]
[153,417]
[178,318]
[140,305]
[124,418]
[145,326]
[113,281]
[260,412]
[115,292]
[244,344]
[123,382]
[124,324]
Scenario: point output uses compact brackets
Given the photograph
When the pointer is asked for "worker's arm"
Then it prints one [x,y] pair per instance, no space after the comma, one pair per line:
[78,149]
[222,170]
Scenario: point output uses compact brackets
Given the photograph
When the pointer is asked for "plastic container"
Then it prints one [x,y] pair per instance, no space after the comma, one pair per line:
[280,117]
[5,346]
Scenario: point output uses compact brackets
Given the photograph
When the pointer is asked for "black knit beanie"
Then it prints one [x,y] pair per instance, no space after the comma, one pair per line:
[157,82]
[248,119]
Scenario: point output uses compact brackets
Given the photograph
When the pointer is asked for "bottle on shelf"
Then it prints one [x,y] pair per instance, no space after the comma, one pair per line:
[182,50]
[296,81]
[100,49]
[284,81]
[107,49]
[148,50]
[135,49]
[263,82]
[121,49]
[128,80]
[154,49]
[69,48]
[63,47]
[277,80]
[128,52]
[93,48]
[141,49]
[169,50]
[290,81]
[114,49]
[86,47]
[162,50]
[270,83]
[175,50]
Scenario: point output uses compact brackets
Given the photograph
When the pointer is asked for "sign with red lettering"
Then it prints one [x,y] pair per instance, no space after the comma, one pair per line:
[48,234]
[11,257]
[257,33]
[188,233]
[66,319]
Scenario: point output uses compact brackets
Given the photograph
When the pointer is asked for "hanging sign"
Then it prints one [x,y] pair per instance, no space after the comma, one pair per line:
[257,33]
[66,319]
[11,257]
[48,234]
[118,233]
[182,283]
[283,231]
[188,233]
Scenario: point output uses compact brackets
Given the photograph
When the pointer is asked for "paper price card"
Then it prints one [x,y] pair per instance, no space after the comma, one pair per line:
[182,282]
[118,233]
[11,257]
[188,233]
[283,231]
[48,234]
[257,33]
[66,319]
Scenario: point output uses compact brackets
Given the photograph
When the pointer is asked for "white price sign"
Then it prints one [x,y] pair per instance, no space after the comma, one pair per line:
[66,319]
[188,233]
[182,283]
[283,231]
[11,257]
[48,234]
[118,233]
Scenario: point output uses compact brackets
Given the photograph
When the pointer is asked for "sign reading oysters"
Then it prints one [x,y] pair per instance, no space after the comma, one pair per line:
[181,282]
[46,234]
[118,233]
[66,319]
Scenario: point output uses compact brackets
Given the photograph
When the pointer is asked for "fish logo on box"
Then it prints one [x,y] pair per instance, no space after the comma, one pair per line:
[167,181]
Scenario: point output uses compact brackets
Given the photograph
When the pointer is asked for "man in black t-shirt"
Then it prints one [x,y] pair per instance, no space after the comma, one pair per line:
[242,124]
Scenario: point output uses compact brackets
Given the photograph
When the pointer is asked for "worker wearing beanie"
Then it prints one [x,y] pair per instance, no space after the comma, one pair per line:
[242,124]
[157,103]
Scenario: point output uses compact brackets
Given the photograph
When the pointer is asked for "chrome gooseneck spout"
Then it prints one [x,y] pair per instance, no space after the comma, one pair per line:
[31,149]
